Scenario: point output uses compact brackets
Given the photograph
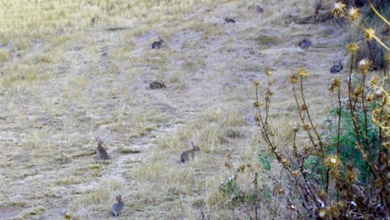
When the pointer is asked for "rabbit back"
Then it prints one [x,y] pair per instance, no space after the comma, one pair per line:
[187,155]
[102,153]
[117,208]
[157,44]
[157,85]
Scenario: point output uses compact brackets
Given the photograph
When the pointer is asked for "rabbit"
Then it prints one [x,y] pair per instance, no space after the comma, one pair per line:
[336,68]
[101,152]
[118,206]
[259,9]
[305,43]
[157,85]
[189,154]
[157,44]
[229,20]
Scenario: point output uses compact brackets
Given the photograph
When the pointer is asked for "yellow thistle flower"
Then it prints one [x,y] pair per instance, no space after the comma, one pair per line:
[269,72]
[284,160]
[370,33]
[352,47]
[339,8]
[294,79]
[303,72]
[332,161]
[322,213]
[353,13]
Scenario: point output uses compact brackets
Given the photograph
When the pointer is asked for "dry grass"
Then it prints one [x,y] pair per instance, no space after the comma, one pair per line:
[70,71]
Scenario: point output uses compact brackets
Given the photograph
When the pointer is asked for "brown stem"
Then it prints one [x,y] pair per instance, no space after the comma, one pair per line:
[350,100]
[265,134]
[365,110]
[338,123]
[302,118]
[311,121]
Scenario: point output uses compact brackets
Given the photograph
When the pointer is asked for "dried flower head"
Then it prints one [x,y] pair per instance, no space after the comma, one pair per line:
[387,145]
[295,173]
[351,176]
[334,84]
[256,83]
[294,79]
[303,72]
[339,8]
[374,80]
[352,47]
[370,33]
[353,13]
[269,72]
[364,65]
[256,104]
[370,97]
[358,91]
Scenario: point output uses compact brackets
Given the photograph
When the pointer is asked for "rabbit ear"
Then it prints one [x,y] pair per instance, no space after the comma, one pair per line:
[98,139]
[193,146]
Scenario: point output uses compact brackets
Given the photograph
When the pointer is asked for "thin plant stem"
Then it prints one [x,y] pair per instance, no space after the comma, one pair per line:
[311,121]
[350,100]
[338,122]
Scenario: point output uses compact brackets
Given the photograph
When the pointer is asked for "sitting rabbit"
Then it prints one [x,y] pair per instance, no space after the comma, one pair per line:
[157,44]
[336,68]
[230,20]
[101,152]
[157,85]
[118,206]
[189,154]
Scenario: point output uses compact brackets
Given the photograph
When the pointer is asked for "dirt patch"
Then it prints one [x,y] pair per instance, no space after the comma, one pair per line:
[9,212]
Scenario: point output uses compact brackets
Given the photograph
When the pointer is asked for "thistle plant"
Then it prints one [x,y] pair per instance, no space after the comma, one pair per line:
[344,174]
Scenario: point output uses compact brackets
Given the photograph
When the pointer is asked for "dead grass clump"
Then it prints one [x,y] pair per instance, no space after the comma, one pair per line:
[4,55]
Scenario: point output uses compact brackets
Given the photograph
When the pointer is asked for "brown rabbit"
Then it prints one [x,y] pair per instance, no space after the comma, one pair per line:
[157,85]
[101,152]
[118,206]
[157,44]
[189,154]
